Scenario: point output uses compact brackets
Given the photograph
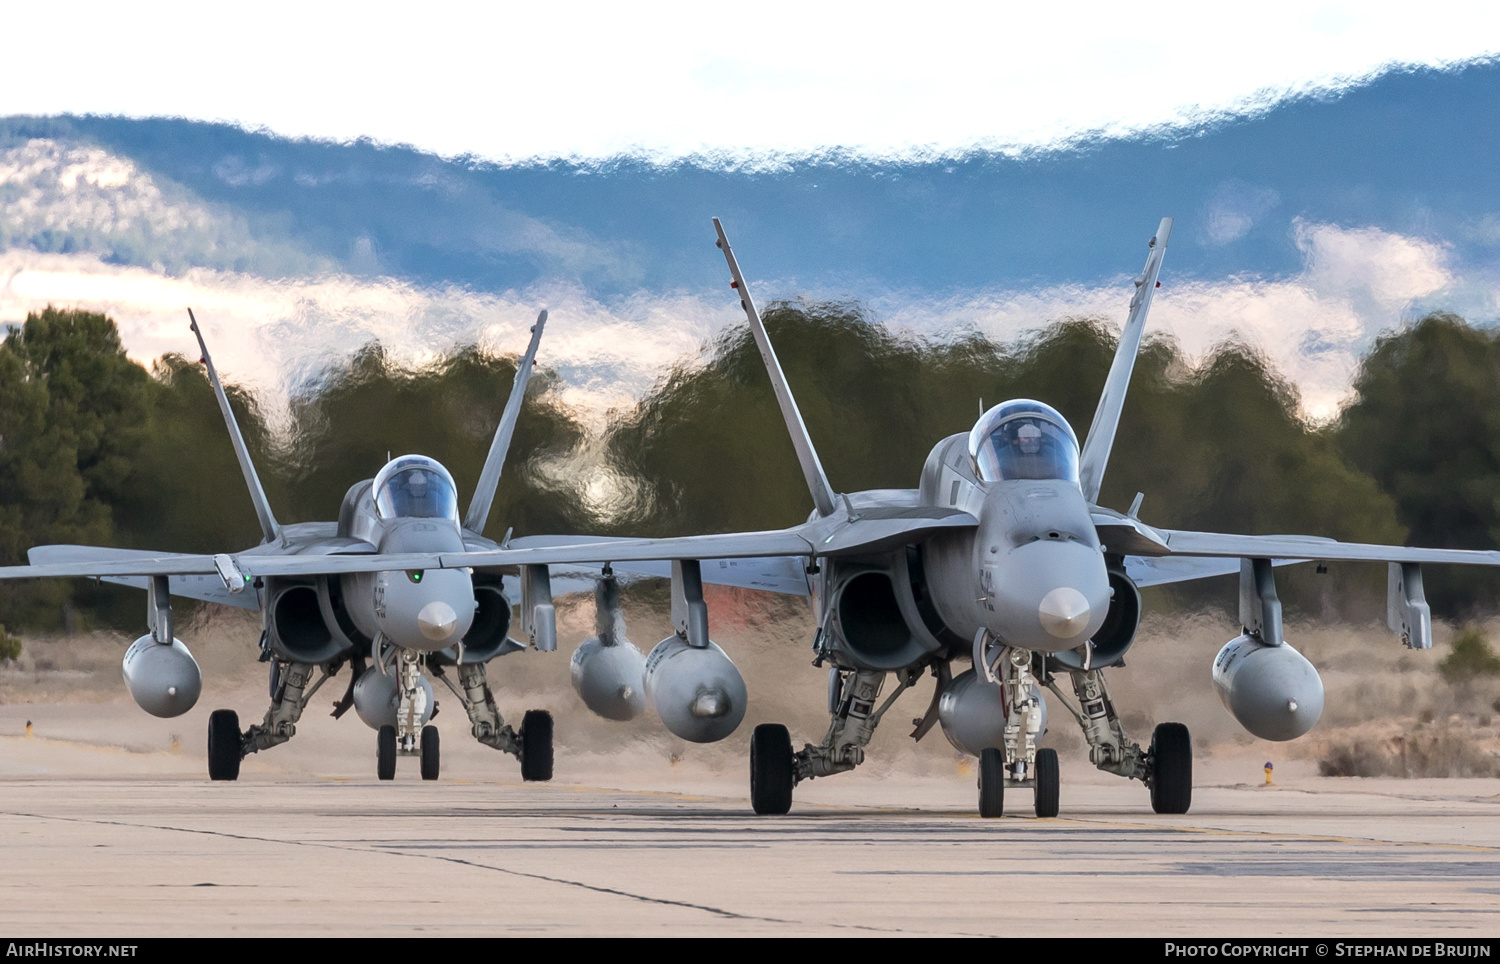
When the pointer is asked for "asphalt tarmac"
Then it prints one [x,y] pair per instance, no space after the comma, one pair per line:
[107,840]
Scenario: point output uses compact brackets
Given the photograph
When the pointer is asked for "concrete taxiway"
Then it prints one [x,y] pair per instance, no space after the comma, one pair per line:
[102,842]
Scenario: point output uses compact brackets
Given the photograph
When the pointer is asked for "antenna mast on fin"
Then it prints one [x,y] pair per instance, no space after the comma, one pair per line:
[489,478]
[270,530]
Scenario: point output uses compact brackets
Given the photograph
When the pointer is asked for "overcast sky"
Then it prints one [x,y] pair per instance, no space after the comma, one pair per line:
[513,81]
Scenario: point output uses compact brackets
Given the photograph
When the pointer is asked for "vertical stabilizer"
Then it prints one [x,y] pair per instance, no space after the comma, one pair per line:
[270,530]
[812,467]
[489,478]
[1101,437]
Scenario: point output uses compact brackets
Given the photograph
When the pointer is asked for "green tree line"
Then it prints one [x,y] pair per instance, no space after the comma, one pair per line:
[96,449]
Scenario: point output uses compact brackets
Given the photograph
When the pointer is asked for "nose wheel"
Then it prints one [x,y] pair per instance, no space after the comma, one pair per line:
[387,749]
[385,752]
[991,783]
[1047,780]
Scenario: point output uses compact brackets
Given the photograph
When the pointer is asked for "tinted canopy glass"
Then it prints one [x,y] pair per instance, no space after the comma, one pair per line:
[415,487]
[1024,439]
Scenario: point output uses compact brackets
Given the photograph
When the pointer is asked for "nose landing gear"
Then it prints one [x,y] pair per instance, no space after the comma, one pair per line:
[1019,763]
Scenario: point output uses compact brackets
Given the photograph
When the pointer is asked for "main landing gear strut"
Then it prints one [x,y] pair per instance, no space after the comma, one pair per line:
[775,769]
[532,744]
[290,693]
[1166,767]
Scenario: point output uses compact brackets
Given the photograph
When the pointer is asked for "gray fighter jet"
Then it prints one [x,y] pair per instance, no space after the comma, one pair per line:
[381,590]
[1002,557]
[359,591]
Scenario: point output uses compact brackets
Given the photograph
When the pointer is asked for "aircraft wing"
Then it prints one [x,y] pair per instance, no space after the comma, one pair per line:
[100,562]
[1163,570]
[849,533]
[205,586]
[1155,557]
[1309,548]
[783,574]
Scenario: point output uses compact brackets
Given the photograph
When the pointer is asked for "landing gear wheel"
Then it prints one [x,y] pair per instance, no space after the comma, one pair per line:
[771,769]
[385,753]
[536,746]
[1046,783]
[991,783]
[429,753]
[1171,769]
[224,745]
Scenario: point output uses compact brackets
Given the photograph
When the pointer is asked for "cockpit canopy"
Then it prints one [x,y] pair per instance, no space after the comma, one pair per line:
[1024,439]
[415,487]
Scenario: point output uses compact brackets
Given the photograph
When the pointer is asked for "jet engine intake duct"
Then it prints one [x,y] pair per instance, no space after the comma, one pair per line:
[873,630]
[1273,691]
[299,631]
[490,630]
[1114,638]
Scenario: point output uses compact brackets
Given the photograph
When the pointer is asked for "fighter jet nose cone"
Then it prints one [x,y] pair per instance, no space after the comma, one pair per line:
[710,705]
[1064,612]
[436,620]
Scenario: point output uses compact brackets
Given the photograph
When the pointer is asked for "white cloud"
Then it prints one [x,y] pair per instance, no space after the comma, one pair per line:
[1389,268]
[1234,208]
[673,78]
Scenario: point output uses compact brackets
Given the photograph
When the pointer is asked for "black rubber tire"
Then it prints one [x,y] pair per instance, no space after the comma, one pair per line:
[224,745]
[772,769]
[385,752]
[1171,769]
[536,746]
[430,753]
[991,783]
[1047,779]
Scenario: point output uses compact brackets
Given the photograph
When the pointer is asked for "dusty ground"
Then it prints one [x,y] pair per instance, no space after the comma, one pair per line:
[111,826]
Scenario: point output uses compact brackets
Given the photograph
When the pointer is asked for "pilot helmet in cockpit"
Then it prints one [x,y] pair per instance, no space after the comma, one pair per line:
[415,487]
[1024,439]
